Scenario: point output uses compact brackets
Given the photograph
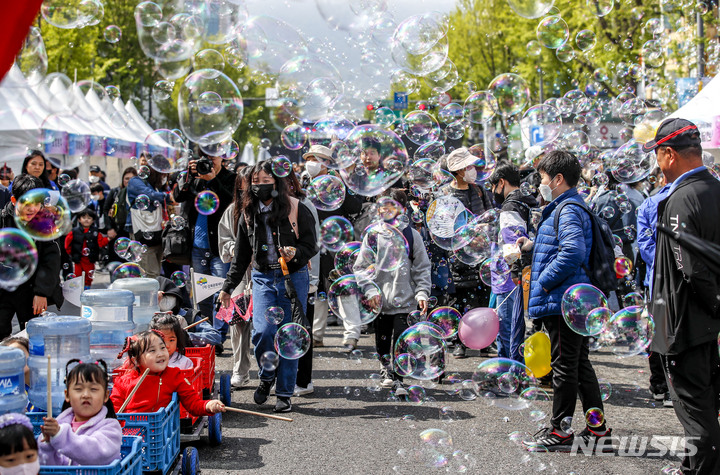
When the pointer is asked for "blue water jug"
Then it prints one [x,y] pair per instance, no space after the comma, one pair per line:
[12,380]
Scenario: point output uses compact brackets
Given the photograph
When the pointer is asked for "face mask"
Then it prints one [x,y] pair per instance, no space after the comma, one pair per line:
[96,197]
[94,179]
[499,197]
[167,303]
[31,468]
[470,175]
[546,192]
[313,168]
[264,192]
[164,181]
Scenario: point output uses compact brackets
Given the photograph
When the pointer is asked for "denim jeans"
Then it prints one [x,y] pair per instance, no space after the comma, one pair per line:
[512,324]
[211,266]
[269,291]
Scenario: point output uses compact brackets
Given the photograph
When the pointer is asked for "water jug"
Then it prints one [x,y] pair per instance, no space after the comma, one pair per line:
[107,305]
[146,299]
[107,340]
[13,397]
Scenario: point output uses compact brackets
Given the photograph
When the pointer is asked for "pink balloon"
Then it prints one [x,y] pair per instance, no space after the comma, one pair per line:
[478,328]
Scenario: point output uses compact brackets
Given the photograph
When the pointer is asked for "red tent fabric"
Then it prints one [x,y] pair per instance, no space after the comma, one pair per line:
[18,16]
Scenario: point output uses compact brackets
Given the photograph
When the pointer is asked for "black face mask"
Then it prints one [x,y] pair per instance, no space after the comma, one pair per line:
[499,197]
[264,192]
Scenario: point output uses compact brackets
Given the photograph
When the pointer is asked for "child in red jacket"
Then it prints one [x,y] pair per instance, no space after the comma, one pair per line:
[83,245]
[147,350]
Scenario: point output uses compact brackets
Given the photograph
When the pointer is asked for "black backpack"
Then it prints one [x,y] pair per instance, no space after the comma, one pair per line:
[602,254]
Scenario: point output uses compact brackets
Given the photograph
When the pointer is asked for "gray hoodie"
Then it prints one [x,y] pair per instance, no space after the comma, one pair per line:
[401,288]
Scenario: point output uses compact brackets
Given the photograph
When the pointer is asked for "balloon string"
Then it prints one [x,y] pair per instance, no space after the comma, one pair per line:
[508,296]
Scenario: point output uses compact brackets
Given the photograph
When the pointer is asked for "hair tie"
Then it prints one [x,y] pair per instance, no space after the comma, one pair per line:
[12,418]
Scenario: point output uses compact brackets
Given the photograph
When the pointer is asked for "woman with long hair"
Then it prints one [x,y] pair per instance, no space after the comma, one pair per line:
[35,165]
[268,229]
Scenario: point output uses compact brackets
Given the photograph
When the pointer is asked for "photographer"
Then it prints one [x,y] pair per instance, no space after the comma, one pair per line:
[206,173]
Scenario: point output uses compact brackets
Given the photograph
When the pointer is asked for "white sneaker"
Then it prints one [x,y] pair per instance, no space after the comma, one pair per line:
[400,390]
[387,381]
[238,381]
[303,391]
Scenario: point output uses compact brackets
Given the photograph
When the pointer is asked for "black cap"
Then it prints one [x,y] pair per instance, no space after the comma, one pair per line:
[95,168]
[674,133]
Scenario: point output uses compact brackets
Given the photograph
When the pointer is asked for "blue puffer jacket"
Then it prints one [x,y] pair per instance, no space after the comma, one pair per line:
[556,267]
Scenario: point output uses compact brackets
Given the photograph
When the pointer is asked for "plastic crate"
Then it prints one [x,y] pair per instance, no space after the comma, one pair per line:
[160,432]
[197,383]
[206,355]
[129,464]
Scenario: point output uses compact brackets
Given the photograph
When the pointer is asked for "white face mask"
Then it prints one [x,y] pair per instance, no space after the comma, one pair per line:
[546,192]
[31,468]
[97,197]
[313,168]
[470,175]
[164,181]
[167,303]
[94,179]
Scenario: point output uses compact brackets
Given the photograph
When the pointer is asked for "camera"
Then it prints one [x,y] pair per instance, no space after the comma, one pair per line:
[204,166]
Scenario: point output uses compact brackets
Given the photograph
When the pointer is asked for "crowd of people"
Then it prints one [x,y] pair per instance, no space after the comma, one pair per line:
[266,230]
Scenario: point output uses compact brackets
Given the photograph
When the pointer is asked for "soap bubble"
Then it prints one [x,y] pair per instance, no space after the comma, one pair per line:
[424,343]
[566,425]
[127,270]
[210,107]
[349,301]
[594,417]
[309,86]
[142,202]
[420,45]
[380,160]
[444,217]
[553,32]
[326,192]
[112,34]
[507,378]
[531,9]
[512,93]
[631,299]
[32,59]
[43,214]
[565,53]
[269,361]
[162,90]
[605,389]
[121,246]
[207,202]
[281,166]
[329,131]
[447,319]
[179,278]
[545,120]
[585,40]
[275,315]
[143,172]
[405,364]
[166,149]
[623,266]
[629,332]
[600,8]
[346,256]
[335,232]
[420,126]
[19,258]
[294,136]
[577,304]
[630,164]
[480,107]
[292,341]
[77,194]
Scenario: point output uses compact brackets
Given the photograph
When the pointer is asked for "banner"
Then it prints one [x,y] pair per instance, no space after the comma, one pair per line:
[206,285]
[72,289]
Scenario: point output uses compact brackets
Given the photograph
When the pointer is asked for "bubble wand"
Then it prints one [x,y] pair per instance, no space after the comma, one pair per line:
[132,393]
[197,323]
[49,387]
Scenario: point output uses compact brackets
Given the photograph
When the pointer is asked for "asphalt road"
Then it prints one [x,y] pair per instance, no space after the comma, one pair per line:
[345,428]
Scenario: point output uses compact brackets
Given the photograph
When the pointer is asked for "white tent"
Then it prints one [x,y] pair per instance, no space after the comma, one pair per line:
[705,106]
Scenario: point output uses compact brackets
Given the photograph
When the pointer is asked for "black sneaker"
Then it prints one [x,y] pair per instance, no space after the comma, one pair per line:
[283,404]
[262,392]
[601,443]
[547,440]
[459,351]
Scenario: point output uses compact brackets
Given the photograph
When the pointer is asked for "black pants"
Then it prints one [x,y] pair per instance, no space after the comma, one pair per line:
[304,375]
[694,380]
[18,302]
[573,374]
[658,383]
[388,329]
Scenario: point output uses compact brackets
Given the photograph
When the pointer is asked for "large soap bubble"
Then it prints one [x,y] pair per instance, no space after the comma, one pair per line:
[505,378]
[269,43]
[328,131]
[531,9]
[447,319]
[327,192]
[579,309]
[512,93]
[553,32]
[380,159]
[541,124]
[424,343]
[335,232]
[384,249]
[210,107]
[32,58]
[444,217]
[420,45]
[19,257]
[629,332]
[349,302]
[77,194]
[309,86]
[630,164]
[43,214]
[292,341]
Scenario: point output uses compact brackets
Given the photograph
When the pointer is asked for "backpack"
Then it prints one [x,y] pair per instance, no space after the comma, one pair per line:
[602,254]
[118,211]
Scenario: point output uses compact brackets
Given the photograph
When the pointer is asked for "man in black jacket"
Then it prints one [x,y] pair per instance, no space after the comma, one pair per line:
[42,289]
[205,254]
[686,294]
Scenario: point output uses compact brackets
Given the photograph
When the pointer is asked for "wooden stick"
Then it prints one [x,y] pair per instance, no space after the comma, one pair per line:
[132,393]
[49,387]
[196,323]
[253,413]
